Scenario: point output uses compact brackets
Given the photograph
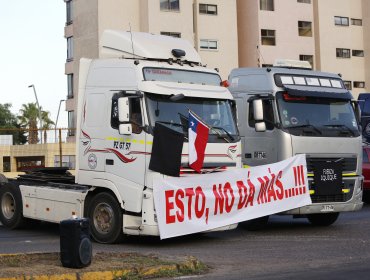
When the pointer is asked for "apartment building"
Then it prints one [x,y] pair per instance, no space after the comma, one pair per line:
[211,26]
[333,35]
[342,40]
[270,30]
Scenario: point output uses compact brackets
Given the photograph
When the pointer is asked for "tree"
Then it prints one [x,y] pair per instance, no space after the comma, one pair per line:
[10,126]
[28,117]
[46,123]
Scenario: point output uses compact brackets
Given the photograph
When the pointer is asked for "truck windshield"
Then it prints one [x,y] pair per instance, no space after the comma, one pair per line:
[215,113]
[312,116]
[181,76]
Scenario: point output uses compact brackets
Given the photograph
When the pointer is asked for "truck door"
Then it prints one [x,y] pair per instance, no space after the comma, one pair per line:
[126,153]
[260,147]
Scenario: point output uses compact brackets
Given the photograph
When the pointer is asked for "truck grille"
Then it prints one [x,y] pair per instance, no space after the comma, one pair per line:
[347,184]
[349,164]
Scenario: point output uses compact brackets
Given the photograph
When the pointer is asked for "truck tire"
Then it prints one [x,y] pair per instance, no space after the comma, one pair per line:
[255,224]
[325,219]
[105,216]
[11,207]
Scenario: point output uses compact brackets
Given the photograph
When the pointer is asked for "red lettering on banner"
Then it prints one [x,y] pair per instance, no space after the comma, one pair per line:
[262,194]
[169,206]
[199,195]
[180,205]
[228,189]
[243,194]
[189,192]
[244,198]
[279,185]
[271,190]
[219,199]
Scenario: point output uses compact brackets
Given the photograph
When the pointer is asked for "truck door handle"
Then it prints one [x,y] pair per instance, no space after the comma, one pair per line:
[109,162]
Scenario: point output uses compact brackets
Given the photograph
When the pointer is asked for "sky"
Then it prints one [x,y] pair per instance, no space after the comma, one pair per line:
[33,50]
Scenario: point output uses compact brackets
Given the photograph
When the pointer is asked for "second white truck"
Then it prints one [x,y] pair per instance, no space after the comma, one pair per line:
[289,110]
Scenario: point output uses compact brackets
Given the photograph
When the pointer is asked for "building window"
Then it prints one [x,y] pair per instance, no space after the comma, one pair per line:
[343,53]
[69,12]
[304,1]
[170,5]
[359,53]
[341,21]
[356,21]
[70,86]
[268,37]
[69,48]
[305,57]
[359,84]
[267,5]
[172,34]
[208,9]
[67,161]
[71,123]
[206,44]
[305,28]
[348,84]
[6,164]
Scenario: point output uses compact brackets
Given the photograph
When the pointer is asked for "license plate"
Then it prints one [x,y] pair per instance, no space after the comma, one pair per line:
[327,208]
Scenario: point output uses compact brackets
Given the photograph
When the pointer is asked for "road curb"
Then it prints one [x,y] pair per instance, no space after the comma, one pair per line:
[191,265]
[102,275]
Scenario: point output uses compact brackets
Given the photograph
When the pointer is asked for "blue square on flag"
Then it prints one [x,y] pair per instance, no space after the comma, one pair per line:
[198,138]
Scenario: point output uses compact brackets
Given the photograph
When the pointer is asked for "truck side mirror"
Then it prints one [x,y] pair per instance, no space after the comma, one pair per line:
[258,110]
[125,129]
[260,125]
[123,109]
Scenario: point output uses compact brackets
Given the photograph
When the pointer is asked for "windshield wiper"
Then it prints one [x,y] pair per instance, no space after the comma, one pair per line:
[171,123]
[341,126]
[307,126]
[223,129]
[185,120]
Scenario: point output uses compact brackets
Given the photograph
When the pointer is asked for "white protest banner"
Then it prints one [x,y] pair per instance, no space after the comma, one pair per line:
[198,203]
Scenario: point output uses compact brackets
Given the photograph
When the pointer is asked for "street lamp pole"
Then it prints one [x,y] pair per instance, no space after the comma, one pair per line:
[56,121]
[38,106]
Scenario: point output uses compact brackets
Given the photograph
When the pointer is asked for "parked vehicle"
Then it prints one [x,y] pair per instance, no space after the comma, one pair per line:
[366,173]
[364,102]
[284,111]
[139,81]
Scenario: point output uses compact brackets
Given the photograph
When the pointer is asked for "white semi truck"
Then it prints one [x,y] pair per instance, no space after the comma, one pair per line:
[288,110]
[140,80]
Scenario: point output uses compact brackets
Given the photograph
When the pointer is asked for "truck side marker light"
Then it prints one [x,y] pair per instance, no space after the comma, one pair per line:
[345,190]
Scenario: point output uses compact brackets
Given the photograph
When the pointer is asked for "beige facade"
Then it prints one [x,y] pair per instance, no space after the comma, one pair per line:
[16,158]
[341,40]
[233,33]
[269,30]
[91,17]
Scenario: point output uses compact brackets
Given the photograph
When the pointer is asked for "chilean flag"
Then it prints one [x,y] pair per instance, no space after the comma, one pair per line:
[198,138]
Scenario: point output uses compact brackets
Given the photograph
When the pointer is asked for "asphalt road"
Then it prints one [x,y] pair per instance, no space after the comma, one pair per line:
[287,249]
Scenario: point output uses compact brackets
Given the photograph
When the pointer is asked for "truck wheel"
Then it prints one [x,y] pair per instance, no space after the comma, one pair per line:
[105,215]
[325,219]
[255,224]
[11,208]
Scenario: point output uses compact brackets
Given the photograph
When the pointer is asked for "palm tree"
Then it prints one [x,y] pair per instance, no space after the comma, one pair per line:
[28,117]
[46,123]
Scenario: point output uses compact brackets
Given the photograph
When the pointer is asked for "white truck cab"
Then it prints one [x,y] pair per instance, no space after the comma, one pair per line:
[140,80]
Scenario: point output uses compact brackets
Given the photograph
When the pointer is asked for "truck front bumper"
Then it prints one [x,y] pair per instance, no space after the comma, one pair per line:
[353,204]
